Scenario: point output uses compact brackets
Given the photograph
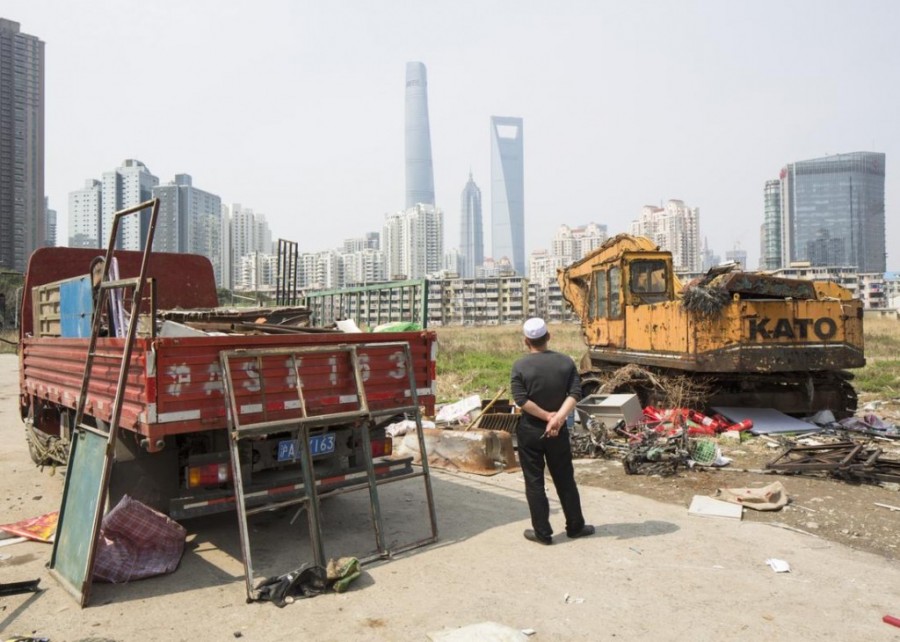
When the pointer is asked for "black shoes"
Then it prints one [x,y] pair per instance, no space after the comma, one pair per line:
[586,530]
[531,536]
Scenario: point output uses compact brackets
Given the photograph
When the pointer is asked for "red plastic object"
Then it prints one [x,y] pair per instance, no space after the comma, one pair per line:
[746,424]
[890,619]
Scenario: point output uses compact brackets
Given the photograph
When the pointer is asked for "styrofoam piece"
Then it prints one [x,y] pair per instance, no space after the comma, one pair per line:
[708,507]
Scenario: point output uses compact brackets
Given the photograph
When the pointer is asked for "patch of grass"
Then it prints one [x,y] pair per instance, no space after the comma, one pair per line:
[882,338]
[881,377]
[477,360]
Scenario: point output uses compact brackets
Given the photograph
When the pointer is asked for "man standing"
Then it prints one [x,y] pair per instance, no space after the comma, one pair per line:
[546,386]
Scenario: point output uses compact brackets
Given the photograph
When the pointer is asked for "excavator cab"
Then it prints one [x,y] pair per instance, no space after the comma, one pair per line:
[631,279]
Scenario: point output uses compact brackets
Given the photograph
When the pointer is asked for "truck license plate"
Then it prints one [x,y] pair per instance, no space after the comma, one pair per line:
[289,450]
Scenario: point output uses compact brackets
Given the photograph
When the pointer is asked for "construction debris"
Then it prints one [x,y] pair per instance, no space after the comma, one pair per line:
[845,459]
[703,506]
[779,566]
[870,425]
[483,452]
[227,318]
[39,529]
[771,497]
[15,588]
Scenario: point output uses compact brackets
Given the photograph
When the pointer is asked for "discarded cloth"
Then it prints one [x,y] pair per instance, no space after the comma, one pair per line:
[137,542]
[771,497]
[308,581]
[341,573]
[871,425]
[400,428]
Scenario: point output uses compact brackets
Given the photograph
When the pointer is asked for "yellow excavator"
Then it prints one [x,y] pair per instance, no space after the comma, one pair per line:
[754,339]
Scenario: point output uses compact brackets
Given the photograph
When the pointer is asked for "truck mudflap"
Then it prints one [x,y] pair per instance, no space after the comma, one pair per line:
[285,494]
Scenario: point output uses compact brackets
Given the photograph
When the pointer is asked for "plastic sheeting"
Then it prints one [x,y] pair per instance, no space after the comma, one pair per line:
[766,421]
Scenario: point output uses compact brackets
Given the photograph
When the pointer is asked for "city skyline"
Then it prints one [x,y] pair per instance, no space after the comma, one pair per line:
[600,149]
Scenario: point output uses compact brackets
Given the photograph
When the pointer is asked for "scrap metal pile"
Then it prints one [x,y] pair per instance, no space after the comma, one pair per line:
[660,441]
[663,441]
[847,460]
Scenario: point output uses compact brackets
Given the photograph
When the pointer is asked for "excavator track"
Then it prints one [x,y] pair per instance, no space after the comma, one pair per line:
[799,394]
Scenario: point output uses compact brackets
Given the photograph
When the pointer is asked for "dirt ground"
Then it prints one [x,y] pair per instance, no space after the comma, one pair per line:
[828,508]
[651,572]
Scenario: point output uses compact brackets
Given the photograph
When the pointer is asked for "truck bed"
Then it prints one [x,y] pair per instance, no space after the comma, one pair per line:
[175,384]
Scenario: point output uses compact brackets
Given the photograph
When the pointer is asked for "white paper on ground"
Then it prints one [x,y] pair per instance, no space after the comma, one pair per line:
[779,566]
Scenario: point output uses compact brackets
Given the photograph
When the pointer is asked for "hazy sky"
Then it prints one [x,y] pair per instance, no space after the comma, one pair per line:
[295,109]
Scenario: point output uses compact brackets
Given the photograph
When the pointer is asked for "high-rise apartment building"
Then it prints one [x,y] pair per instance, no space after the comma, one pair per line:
[453,262]
[84,215]
[543,266]
[471,233]
[362,267]
[508,191]
[92,209]
[21,145]
[574,243]
[49,224]
[413,242]
[369,241]
[419,169]
[326,271]
[190,221]
[770,240]
[247,232]
[258,272]
[832,211]
[676,228]
[125,187]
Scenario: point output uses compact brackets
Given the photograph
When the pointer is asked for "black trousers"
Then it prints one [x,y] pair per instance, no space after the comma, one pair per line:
[557,452]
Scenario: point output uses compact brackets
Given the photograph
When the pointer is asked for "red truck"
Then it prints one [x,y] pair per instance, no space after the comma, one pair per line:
[173,452]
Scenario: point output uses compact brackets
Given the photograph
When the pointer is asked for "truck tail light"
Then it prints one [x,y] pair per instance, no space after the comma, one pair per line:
[209,475]
[382,447]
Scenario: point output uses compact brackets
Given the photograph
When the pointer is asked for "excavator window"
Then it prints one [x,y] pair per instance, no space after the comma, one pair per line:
[648,280]
[597,304]
[615,292]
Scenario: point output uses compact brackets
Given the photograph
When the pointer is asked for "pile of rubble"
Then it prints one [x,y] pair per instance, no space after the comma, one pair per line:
[661,440]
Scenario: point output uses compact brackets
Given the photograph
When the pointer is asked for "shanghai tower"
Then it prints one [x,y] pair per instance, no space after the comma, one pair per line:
[419,171]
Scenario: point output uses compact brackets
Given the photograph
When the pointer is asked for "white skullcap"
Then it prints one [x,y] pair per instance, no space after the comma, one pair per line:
[534,328]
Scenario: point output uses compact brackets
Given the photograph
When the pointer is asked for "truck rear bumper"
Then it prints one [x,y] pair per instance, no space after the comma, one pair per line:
[284,493]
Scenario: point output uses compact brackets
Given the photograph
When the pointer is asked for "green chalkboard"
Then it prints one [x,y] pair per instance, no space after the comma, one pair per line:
[81,496]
